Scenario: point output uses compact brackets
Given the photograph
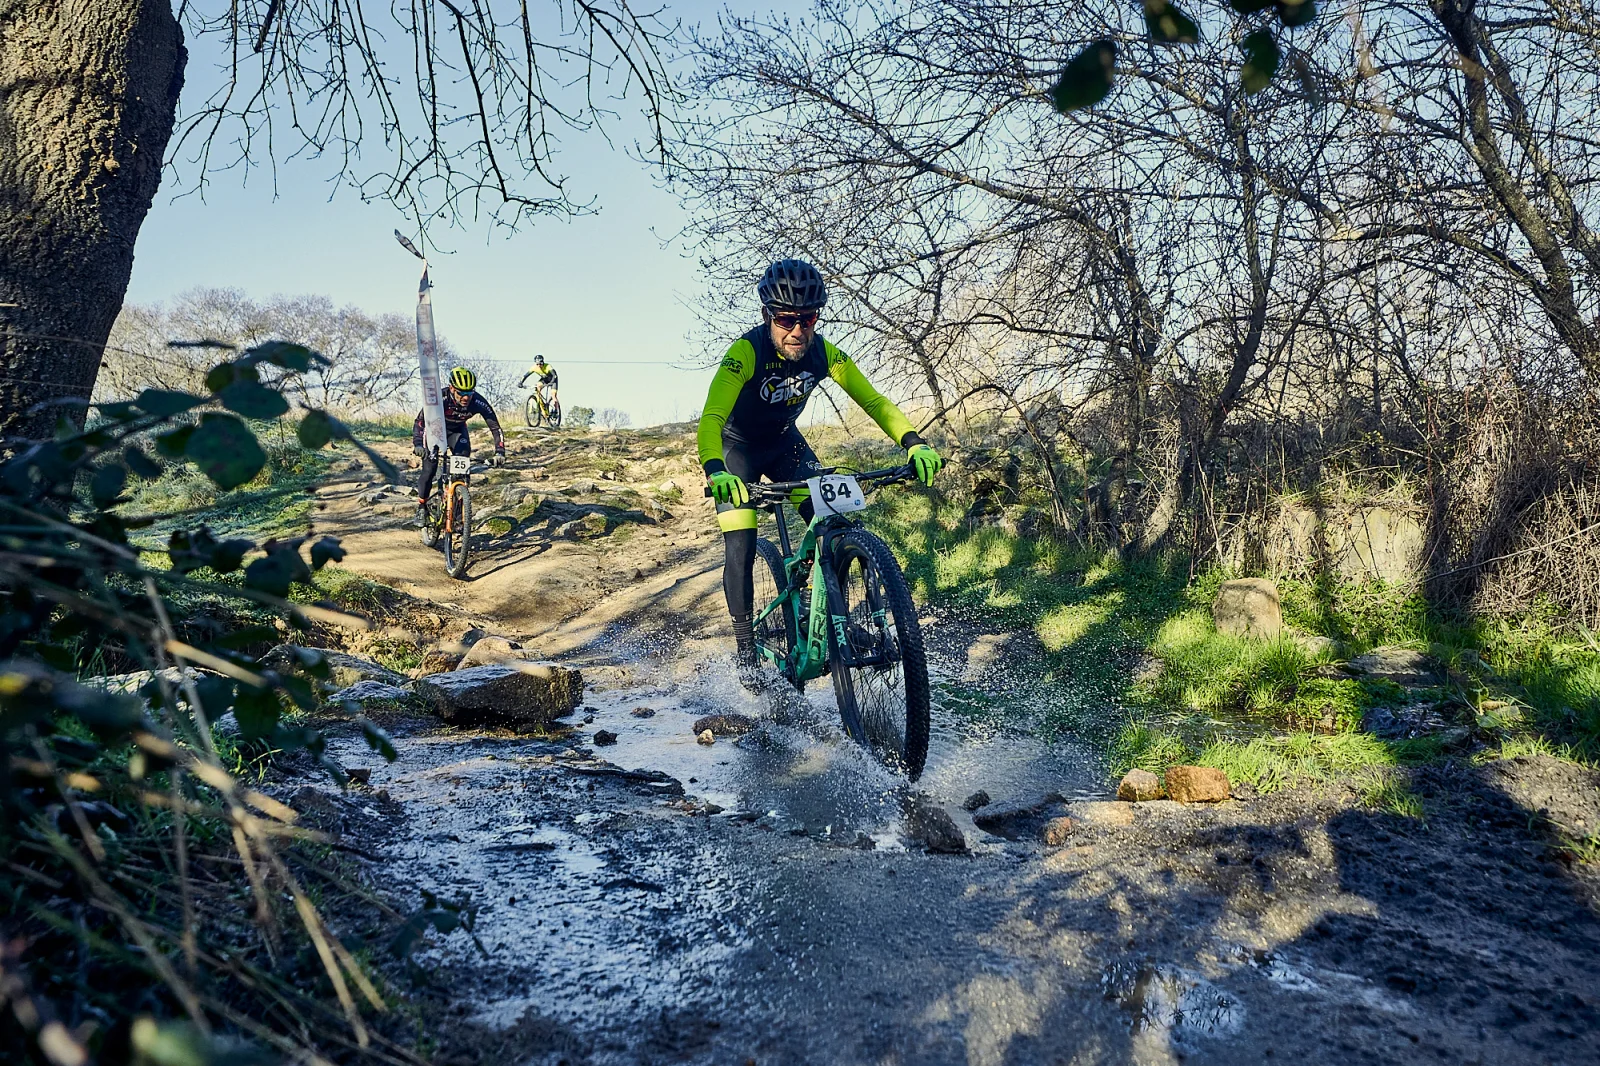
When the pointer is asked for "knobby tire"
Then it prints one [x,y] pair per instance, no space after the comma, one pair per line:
[531,413]
[885,708]
[555,414]
[457,543]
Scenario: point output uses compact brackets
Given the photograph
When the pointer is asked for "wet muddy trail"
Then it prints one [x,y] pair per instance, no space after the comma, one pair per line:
[758,900]
[765,899]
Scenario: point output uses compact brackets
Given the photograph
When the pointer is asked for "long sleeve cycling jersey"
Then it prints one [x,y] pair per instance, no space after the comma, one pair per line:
[456,415]
[757,394]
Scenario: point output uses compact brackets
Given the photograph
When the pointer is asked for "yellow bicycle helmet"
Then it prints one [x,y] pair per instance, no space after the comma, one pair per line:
[463,379]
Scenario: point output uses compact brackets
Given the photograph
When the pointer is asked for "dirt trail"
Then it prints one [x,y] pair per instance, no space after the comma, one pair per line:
[759,901]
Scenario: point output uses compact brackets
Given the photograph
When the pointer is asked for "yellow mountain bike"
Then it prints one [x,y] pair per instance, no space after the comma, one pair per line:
[541,409]
[447,522]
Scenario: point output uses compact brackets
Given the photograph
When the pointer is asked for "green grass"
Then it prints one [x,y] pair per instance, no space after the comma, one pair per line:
[280,500]
[1269,712]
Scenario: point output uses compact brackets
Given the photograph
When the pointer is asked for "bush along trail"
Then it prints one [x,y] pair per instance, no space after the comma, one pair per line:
[1166,816]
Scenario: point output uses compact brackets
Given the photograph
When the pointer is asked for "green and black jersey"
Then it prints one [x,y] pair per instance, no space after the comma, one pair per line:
[757,394]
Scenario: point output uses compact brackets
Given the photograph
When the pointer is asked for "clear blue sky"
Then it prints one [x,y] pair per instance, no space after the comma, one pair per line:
[596,288]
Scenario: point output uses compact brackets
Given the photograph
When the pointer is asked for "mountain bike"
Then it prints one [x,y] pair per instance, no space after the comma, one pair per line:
[837,603]
[448,517]
[541,410]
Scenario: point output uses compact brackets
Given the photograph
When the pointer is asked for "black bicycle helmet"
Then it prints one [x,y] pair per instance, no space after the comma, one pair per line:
[792,285]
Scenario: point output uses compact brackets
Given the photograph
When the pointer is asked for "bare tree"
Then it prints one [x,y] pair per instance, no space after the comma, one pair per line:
[611,418]
[459,105]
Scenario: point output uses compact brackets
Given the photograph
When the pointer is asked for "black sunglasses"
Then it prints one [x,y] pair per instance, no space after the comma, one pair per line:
[788,320]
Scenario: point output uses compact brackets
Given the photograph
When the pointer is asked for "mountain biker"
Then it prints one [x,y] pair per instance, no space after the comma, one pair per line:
[547,376]
[461,401]
[747,427]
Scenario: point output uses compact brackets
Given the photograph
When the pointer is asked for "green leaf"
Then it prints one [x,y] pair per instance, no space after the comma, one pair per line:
[253,400]
[1167,25]
[107,484]
[120,411]
[277,570]
[1086,79]
[232,372]
[141,464]
[315,430]
[325,551]
[225,450]
[257,711]
[1296,14]
[173,442]
[294,357]
[1261,59]
[378,740]
[163,403]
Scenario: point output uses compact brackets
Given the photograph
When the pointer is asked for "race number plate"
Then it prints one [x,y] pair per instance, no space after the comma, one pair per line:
[461,464]
[836,494]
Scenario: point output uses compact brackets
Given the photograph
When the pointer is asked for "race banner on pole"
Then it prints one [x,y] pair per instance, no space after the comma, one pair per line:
[427,359]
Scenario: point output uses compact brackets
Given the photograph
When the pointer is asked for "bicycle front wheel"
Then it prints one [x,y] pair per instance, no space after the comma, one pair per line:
[555,414]
[531,413]
[880,671]
[458,539]
[775,631]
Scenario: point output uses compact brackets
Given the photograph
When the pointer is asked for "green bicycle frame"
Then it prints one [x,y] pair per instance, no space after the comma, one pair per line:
[816,603]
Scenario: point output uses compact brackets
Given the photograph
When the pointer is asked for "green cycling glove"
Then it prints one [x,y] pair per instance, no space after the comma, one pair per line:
[924,461]
[728,488]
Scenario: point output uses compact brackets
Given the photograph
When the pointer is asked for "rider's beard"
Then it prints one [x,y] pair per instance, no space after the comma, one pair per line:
[795,350]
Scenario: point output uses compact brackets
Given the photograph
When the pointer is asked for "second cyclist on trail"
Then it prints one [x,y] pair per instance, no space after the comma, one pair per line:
[461,401]
[547,377]
[747,427]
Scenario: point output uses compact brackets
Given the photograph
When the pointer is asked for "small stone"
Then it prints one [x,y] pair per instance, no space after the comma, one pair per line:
[1056,831]
[1197,784]
[567,531]
[1248,607]
[706,737]
[637,575]
[436,661]
[978,799]
[361,775]
[594,522]
[643,712]
[667,487]
[580,488]
[930,825]
[1138,786]
[725,725]
[604,737]
[1014,820]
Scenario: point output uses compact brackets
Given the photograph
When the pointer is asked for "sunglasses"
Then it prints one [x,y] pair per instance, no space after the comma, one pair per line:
[789,320]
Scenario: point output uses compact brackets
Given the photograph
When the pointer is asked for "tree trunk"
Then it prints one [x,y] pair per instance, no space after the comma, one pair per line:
[88,98]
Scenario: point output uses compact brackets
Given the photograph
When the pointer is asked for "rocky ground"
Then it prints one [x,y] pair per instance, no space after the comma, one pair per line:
[773,898]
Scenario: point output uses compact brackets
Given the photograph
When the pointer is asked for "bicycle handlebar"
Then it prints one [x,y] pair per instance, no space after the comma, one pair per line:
[778,491]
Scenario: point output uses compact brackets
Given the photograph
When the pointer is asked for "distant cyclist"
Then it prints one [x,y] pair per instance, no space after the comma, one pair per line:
[547,377]
[461,402]
[747,428]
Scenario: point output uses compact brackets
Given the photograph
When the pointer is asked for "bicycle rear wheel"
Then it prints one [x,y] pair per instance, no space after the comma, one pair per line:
[531,413]
[884,702]
[777,630]
[555,414]
[431,516]
[458,540]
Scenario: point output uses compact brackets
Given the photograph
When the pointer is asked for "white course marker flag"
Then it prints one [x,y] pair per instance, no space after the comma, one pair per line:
[427,359]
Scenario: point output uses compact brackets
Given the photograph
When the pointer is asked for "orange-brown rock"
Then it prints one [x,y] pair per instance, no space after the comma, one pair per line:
[1197,784]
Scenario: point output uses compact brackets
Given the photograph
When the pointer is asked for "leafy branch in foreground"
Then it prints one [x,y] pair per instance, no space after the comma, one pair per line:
[1088,76]
[126,845]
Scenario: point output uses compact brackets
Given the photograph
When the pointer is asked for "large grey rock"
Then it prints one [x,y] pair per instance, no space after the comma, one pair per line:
[1013,820]
[1248,607]
[130,684]
[1400,665]
[522,695]
[344,669]
[370,692]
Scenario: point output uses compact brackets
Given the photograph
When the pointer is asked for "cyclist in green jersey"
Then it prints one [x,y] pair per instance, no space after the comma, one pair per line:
[747,427]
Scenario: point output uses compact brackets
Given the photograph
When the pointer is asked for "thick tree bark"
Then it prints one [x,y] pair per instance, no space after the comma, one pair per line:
[88,98]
